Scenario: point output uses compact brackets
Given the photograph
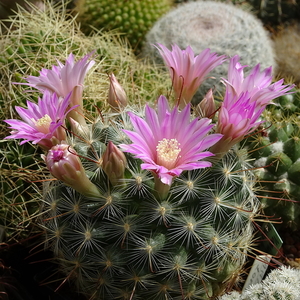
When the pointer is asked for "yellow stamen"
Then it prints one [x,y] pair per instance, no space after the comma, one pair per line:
[167,152]
[43,124]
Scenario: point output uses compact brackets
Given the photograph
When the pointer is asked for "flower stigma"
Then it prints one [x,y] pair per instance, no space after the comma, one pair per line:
[167,152]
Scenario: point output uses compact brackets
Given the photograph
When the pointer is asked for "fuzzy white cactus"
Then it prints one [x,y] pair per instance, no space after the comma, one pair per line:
[224,28]
[280,284]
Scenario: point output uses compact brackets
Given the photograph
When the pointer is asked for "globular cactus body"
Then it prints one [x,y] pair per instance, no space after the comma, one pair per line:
[132,18]
[286,45]
[129,243]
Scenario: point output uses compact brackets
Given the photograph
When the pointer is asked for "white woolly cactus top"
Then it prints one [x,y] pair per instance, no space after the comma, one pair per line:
[280,284]
[222,27]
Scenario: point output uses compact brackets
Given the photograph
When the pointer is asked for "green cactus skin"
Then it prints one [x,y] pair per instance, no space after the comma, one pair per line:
[276,151]
[224,28]
[130,244]
[19,193]
[131,17]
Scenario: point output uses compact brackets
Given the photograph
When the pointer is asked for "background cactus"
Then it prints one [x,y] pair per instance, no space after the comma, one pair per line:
[276,151]
[286,45]
[19,192]
[223,28]
[132,18]
[281,283]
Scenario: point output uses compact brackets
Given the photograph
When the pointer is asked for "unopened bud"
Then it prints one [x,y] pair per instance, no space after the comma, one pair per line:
[114,163]
[76,99]
[117,98]
[64,164]
[207,107]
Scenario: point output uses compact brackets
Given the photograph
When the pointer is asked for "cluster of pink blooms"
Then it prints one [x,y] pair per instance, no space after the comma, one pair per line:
[167,139]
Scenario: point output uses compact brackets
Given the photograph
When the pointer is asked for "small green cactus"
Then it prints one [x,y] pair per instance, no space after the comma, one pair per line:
[276,150]
[224,28]
[131,17]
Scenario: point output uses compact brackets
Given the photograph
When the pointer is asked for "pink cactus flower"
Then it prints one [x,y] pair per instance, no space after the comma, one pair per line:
[236,121]
[245,100]
[257,84]
[188,71]
[64,164]
[168,142]
[41,122]
[63,79]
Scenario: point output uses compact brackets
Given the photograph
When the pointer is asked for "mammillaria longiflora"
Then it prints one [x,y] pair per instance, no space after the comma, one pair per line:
[164,219]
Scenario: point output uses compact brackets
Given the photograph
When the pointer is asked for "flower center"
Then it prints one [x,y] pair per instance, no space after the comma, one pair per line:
[167,152]
[43,124]
[57,155]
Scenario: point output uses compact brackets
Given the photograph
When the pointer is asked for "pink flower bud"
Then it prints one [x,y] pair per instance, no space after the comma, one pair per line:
[114,163]
[207,107]
[117,98]
[76,100]
[64,164]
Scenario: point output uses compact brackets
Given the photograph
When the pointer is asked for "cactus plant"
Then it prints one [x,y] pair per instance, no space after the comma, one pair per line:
[138,207]
[223,28]
[20,169]
[281,283]
[129,241]
[133,18]
[276,153]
